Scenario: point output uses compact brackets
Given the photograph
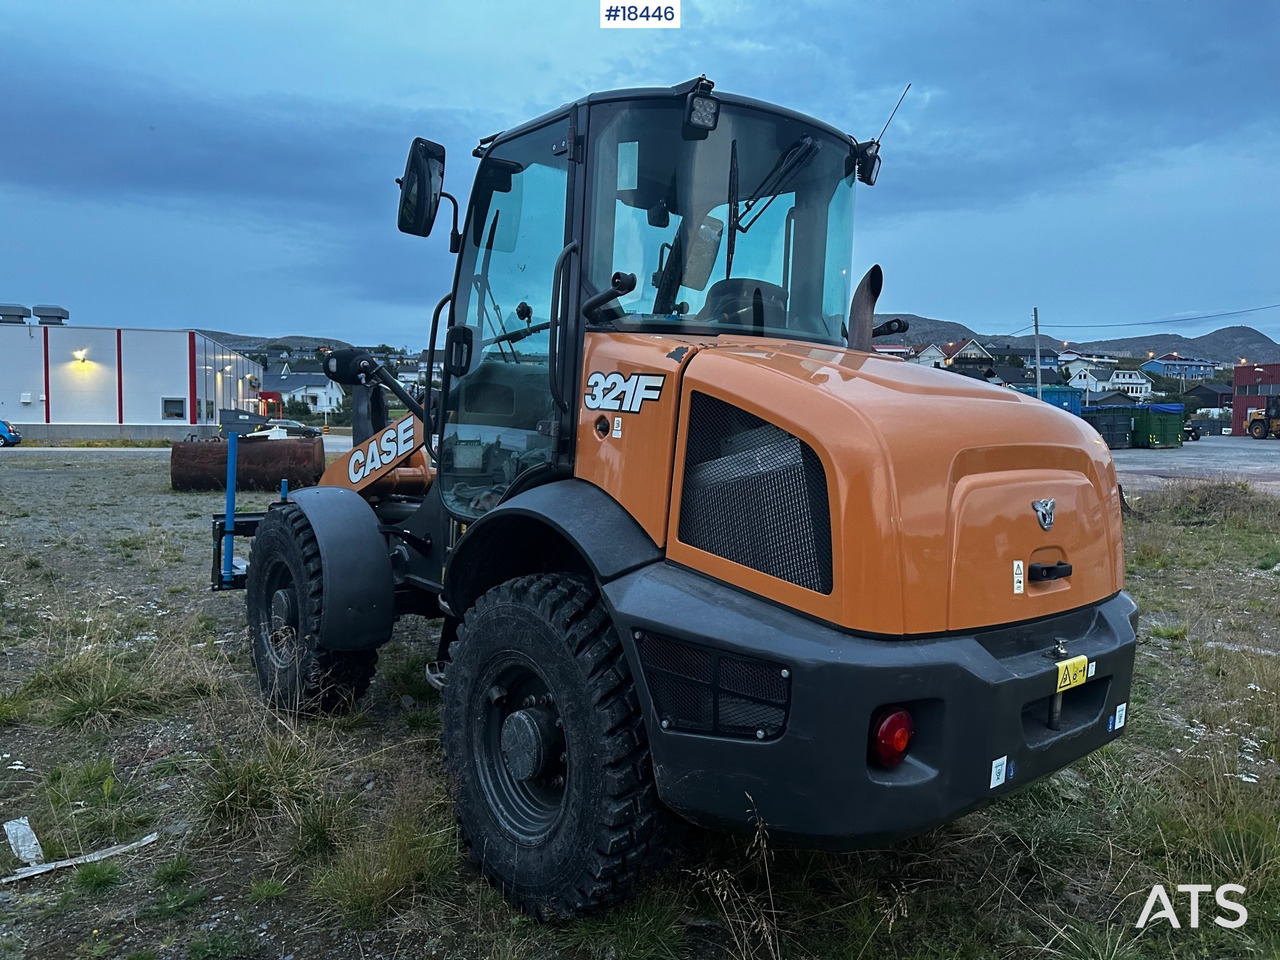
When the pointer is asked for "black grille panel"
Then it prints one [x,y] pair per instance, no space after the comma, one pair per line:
[697,690]
[755,494]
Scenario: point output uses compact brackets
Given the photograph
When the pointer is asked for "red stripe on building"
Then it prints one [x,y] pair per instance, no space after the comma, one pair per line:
[46,375]
[191,362]
[119,380]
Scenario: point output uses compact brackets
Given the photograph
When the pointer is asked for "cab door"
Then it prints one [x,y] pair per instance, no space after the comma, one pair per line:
[500,418]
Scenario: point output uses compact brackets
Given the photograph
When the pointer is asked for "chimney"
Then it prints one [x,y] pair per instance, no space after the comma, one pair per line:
[50,315]
[13,313]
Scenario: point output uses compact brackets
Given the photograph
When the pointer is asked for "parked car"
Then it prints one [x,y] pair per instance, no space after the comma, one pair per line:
[1190,432]
[9,436]
[292,427]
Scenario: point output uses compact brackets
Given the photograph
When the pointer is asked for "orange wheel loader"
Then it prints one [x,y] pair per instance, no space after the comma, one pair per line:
[691,539]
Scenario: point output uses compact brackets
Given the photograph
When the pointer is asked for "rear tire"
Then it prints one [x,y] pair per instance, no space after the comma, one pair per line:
[285,600]
[545,749]
[1258,429]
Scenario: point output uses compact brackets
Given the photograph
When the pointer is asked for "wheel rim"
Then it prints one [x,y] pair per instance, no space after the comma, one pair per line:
[523,784]
[280,626]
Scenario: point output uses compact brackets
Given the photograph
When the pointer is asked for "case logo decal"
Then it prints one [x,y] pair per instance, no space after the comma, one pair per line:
[1044,512]
[613,391]
[383,450]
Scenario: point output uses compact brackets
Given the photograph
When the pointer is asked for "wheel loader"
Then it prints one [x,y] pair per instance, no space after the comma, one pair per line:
[699,552]
[1265,422]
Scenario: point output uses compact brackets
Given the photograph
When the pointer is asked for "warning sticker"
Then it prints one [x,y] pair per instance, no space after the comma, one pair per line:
[1121,711]
[1019,578]
[999,770]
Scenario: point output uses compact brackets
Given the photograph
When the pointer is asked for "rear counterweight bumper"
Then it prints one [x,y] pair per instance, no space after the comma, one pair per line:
[980,703]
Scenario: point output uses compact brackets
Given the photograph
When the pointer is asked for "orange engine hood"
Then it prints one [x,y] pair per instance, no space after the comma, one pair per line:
[931,480]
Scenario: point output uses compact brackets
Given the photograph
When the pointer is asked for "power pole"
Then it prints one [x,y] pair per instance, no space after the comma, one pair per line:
[1035,316]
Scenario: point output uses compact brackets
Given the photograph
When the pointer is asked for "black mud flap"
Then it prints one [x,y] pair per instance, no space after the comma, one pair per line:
[359,588]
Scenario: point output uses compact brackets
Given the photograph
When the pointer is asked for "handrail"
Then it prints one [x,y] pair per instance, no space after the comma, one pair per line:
[553,332]
[431,362]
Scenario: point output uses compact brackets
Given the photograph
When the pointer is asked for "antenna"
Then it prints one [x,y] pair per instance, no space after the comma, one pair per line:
[891,115]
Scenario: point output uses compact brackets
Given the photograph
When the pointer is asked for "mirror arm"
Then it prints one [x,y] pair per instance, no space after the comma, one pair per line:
[619,286]
[455,238]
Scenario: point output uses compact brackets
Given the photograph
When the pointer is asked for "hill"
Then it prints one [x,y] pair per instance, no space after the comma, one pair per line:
[1227,345]
[243,343]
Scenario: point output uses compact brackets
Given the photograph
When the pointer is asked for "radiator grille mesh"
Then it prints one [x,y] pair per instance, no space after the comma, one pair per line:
[755,494]
[697,690]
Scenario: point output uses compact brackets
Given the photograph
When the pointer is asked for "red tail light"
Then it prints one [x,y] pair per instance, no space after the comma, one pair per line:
[891,732]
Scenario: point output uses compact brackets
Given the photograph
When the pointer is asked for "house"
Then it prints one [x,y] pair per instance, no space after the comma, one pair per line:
[1184,368]
[313,388]
[968,350]
[1005,352]
[1087,377]
[928,355]
[1074,362]
[1026,376]
[436,374]
[1133,382]
[1215,397]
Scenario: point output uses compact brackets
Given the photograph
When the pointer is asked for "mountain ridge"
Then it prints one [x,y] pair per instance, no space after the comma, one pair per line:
[1225,345]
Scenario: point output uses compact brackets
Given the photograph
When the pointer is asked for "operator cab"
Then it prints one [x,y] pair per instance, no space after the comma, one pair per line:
[677,211]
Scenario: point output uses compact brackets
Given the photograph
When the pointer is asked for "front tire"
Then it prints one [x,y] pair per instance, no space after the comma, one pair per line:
[1258,429]
[545,749]
[285,599]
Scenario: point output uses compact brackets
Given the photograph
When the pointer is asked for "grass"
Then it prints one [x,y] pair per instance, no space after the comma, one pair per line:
[177,871]
[96,877]
[268,888]
[412,852]
[259,782]
[128,718]
[217,946]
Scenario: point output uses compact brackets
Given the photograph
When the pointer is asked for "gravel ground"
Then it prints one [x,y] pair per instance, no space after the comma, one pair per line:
[91,537]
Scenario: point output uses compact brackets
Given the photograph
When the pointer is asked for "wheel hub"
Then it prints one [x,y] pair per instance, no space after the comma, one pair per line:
[528,742]
[283,609]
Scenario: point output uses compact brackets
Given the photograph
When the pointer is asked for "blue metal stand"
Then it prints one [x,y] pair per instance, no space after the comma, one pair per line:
[228,540]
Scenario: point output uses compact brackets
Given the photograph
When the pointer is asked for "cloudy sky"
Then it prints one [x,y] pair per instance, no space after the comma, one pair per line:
[230,165]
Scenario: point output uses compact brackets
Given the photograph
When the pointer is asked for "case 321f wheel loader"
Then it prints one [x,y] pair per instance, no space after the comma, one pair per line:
[690,537]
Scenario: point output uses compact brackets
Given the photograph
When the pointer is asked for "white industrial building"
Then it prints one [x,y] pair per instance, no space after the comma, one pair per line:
[61,381]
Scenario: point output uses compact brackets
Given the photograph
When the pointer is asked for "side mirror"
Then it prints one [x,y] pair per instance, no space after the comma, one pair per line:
[704,247]
[421,187]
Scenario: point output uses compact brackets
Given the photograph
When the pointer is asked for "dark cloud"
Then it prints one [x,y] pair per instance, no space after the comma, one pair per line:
[1015,99]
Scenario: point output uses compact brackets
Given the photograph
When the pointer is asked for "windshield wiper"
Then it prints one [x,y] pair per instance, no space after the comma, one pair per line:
[796,157]
[791,162]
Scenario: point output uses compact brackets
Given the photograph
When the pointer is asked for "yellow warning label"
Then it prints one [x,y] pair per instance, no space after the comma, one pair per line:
[1072,673]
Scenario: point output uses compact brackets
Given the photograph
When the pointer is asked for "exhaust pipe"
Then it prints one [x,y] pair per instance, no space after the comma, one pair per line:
[862,309]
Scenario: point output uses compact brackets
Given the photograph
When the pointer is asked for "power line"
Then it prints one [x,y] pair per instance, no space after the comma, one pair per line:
[1161,323]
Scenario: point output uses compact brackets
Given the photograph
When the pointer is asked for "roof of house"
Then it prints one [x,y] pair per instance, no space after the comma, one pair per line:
[1025,375]
[274,383]
[952,349]
[1108,398]
[1005,350]
[1213,389]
